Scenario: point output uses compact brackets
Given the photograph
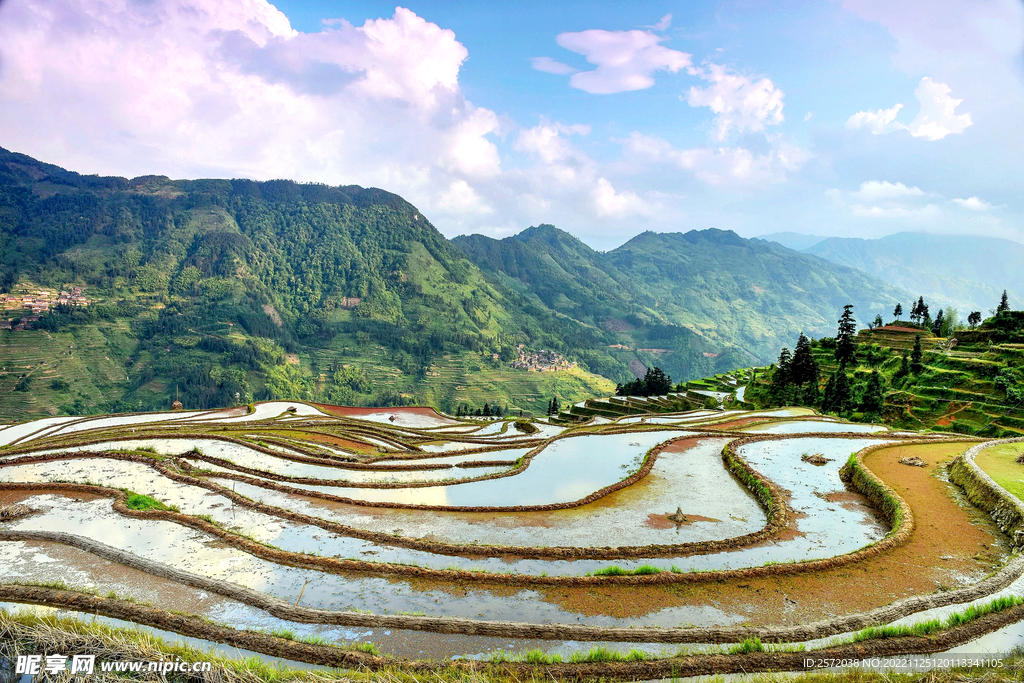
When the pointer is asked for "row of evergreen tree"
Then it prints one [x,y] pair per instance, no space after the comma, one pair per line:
[945,322]
[466,410]
[654,383]
[796,376]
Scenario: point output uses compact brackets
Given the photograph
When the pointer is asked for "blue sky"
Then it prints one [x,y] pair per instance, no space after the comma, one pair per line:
[831,117]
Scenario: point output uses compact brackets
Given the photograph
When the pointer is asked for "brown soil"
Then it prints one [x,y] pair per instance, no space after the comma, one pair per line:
[21,496]
[944,529]
[661,521]
[355,446]
[348,411]
[735,424]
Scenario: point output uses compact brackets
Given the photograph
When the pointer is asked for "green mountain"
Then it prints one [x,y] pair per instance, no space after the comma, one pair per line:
[226,291]
[967,272]
[230,290]
[567,276]
[704,294]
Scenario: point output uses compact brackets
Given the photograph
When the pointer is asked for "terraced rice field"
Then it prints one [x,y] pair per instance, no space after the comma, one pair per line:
[671,540]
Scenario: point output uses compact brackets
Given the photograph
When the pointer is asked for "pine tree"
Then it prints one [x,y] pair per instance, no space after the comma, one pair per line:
[846,348]
[904,368]
[803,368]
[898,311]
[973,318]
[843,393]
[1004,304]
[878,320]
[872,401]
[781,376]
[556,407]
[919,311]
[915,356]
[656,382]
[937,324]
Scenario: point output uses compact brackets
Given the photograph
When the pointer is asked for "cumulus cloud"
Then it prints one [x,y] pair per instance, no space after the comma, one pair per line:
[897,201]
[936,119]
[721,165]
[878,122]
[562,170]
[874,190]
[740,103]
[227,87]
[548,65]
[922,213]
[626,60]
[974,204]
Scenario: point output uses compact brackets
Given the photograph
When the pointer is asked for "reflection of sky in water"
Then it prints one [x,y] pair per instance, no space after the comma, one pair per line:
[810,426]
[828,530]
[197,553]
[565,471]
[694,480]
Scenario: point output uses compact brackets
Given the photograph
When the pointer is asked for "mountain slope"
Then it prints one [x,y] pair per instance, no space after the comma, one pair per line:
[703,294]
[751,293]
[967,272]
[570,277]
[233,289]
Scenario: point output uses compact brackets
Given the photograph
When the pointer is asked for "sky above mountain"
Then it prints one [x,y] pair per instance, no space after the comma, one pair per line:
[832,117]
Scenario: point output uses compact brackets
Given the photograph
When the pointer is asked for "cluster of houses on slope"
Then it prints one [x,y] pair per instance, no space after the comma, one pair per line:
[35,302]
[540,361]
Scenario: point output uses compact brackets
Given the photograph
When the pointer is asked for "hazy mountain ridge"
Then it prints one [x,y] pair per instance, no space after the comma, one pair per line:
[967,272]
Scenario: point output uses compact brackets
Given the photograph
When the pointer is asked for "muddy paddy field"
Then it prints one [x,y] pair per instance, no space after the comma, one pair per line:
[401,539]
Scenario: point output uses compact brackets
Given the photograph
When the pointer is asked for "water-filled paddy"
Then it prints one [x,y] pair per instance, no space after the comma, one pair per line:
[565,471]
[690,477]
[811,426]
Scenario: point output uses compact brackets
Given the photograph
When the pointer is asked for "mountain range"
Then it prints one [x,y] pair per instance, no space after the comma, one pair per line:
[964,271]
[223,291]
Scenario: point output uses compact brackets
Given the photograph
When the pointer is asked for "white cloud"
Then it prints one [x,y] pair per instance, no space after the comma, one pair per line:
[874,190]
[876,199]
[663,24]
[741,103]
[548,65]
[722,165]
[227,88]
[915,214]
[974,204]
[937,117]
[567,175]
[625,60]
[617,204]
[878,122]
[461,198]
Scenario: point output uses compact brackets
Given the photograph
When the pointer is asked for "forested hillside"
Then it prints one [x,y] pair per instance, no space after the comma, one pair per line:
[226,291]
[705,294]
